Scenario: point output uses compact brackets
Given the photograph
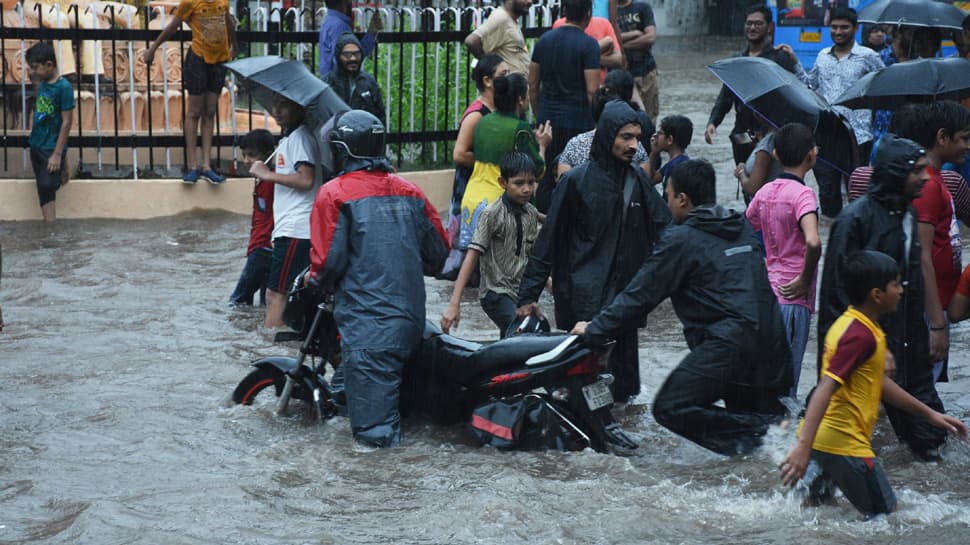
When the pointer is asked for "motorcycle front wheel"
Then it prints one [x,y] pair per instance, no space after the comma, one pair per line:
[256,382]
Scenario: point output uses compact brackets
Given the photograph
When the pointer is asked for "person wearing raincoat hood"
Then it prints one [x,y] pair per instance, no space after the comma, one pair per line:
[354,86]
[884,220]
[711,267]
[604,218]
[374,236]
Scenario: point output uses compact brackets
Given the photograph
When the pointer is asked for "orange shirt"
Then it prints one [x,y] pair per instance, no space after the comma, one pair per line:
[207,19]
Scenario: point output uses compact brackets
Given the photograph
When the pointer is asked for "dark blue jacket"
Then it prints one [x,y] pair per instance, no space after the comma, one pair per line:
[374,236]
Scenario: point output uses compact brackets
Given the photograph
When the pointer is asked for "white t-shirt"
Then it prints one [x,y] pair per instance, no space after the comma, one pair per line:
[292,207]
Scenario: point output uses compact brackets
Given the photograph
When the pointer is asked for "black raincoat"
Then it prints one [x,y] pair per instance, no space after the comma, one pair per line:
[602,223]
[879,221]
[592,242]
[359,90]
[712,269]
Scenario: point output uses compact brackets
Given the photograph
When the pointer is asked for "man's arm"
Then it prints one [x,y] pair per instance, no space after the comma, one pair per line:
[555,232]
[369,43]
[167,32]
[592,83]
[659,276]
[643,40]
[535,84]
[939,334]
[794,465]
[810,78]
[613,56]
[960,302]
[231,32]
[474,44]
[723,104]
[328,241]
[434,240]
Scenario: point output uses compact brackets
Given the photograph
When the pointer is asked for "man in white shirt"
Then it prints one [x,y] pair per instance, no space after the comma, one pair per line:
[501,35]
[836,68]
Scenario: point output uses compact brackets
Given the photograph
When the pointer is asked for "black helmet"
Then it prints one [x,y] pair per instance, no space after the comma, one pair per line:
[357,141]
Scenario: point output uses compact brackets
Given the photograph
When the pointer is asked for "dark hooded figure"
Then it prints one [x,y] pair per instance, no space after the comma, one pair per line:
[884,220]
[604,218]
[356,87]
[711,267]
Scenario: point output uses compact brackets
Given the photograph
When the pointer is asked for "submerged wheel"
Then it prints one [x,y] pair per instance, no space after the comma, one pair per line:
[256,382]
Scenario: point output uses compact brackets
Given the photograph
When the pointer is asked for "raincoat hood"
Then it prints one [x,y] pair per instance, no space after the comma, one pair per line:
[891,166]
[716,220]
[343,41]
[615,115]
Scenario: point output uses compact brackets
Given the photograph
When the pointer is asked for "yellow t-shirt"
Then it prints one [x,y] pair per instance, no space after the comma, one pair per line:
[207,19]
[854,356]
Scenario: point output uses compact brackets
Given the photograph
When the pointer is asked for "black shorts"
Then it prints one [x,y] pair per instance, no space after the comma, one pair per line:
[47,182]
[290,257]
[201,78]
[861,480]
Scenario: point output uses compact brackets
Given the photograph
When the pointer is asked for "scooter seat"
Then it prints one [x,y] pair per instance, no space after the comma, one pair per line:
[507,353]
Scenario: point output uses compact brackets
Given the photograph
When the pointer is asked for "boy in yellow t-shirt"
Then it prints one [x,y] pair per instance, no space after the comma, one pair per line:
[842,411]
[213,43]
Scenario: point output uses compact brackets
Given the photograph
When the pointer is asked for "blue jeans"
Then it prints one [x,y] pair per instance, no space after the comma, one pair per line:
[254,277]
[796,318]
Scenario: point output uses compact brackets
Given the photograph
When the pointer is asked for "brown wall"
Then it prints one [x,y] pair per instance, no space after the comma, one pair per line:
[141,199]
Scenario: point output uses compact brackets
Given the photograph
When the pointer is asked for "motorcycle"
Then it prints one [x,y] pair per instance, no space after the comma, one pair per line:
[531,390]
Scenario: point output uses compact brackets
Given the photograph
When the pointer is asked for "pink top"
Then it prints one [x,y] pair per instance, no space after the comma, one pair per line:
[776,210]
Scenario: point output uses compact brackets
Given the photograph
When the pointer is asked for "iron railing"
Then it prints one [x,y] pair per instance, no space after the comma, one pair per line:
[128,115]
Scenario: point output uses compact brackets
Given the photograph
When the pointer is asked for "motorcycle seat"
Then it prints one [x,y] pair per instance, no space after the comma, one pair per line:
[506,353]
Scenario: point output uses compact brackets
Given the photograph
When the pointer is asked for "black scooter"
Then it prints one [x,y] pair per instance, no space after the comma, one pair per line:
[529,391]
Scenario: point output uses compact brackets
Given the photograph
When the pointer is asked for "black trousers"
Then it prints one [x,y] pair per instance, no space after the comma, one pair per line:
[830,181]
[685,402]
[918,434]
[625,366]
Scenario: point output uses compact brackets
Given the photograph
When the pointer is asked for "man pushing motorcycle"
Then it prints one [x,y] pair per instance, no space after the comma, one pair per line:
[374,236]
[710,266]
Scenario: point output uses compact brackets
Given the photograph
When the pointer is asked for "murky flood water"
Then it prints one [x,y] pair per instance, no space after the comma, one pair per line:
[120,352]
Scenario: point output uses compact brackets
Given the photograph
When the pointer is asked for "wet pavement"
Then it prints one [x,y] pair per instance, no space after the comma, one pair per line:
[120,351]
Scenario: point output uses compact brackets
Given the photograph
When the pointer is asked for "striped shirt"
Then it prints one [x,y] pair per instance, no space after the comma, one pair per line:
[505,235]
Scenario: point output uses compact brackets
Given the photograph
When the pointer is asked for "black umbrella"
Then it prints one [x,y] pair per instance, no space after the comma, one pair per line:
[911,81]
[265,77]
[779,97]
[922,13]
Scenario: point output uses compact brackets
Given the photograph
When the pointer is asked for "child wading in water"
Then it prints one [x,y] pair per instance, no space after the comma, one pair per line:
[503,240]
[835,435]
[258,145]
[53,117]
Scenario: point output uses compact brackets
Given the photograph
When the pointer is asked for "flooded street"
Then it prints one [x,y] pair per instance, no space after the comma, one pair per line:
[120,351]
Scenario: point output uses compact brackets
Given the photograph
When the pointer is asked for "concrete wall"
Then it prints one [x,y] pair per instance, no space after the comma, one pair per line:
[142,199]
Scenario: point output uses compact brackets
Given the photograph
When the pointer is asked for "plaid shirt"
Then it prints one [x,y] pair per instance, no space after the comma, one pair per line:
[831,76]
